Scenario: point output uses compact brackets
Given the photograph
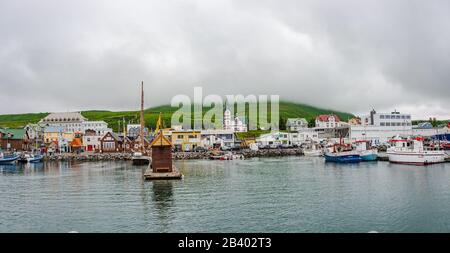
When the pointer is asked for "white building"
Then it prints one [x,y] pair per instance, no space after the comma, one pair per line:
[70,121]
[328,121]
[296,124]
[217,138]
[427,132]
[35,131]
[279,138]
[308,135]
[91,141]
[380,127]
[386,119]
[73,122]
[233,123]
[98,126]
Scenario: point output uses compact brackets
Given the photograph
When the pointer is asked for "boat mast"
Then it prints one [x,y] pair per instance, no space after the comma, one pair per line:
[142,118]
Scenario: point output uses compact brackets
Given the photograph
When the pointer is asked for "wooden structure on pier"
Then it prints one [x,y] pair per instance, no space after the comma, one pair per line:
[161,154]
[161,166]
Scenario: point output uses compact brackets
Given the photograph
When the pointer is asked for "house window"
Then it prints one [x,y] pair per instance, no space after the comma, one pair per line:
[381,116]
[180,136]
[382,124]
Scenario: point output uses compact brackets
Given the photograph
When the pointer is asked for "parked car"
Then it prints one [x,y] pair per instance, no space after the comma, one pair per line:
[200,149]
[274,146]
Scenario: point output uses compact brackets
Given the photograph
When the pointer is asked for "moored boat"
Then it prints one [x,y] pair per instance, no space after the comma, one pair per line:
[35,158]
[313,150]
[341,153]
[140,159]
[8,159]
[343,157]
[365,152]
[30,158]
[412,152]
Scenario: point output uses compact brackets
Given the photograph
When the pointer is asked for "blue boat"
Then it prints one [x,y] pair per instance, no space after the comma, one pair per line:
[8,159]
[364,150]
[35,159]
[343,157]
[369,157]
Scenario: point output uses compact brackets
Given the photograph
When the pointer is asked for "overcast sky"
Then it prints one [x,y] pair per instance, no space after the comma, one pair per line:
[345,55]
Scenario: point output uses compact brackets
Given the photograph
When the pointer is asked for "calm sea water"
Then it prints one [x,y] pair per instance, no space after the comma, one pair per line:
[290,194]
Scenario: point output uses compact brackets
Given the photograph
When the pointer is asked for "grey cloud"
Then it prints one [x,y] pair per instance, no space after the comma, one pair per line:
[345,55]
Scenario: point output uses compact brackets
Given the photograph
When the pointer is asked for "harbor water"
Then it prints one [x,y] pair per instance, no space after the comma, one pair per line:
[289,194]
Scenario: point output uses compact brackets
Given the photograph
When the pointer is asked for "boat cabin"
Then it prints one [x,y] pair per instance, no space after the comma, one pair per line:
[400,144]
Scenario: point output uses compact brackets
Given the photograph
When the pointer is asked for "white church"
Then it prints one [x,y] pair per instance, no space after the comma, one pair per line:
[235,124]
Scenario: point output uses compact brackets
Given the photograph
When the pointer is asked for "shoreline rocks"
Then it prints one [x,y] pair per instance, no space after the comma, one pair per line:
[247,153]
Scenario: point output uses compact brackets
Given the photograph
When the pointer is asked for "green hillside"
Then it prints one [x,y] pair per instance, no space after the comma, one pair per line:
[287,110]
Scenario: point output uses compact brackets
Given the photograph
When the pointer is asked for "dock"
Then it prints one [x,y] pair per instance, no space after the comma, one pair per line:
[173,175]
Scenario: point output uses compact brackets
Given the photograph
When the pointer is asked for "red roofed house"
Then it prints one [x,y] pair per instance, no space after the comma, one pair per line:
[327,121]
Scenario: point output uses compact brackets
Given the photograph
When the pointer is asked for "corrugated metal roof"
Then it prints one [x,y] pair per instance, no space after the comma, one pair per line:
[13,134]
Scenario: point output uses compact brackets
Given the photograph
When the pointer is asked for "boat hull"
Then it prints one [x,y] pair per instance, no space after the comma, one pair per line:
[9,160]
[141,160]
[343,158]
[313,153]
[36,159]
[369,155]
[416,158]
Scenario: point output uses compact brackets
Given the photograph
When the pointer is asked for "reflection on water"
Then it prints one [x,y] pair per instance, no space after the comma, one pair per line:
[291,194]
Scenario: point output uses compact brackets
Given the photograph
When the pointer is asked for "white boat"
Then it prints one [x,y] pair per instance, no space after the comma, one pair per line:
[313,150]
[30,158]
[413,152]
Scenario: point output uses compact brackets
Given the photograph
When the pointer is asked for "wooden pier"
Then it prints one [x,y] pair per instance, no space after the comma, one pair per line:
[173,175]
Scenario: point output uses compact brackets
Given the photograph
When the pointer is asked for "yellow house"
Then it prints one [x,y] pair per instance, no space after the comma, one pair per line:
[167,132]
[52,134]
[186,140]
[354,121]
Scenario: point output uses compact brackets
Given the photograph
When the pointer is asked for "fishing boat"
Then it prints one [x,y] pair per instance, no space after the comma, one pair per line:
[342,154]
[8,159]
[227,156]
[365,151]
[30,158]
[313,150]
[412,151]
[140,159]
[35,158]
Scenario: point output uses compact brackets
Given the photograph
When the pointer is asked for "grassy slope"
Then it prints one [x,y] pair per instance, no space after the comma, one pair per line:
[287,110]
[20,120]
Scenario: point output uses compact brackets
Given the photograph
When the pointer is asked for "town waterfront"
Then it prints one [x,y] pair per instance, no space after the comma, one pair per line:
[288,194]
